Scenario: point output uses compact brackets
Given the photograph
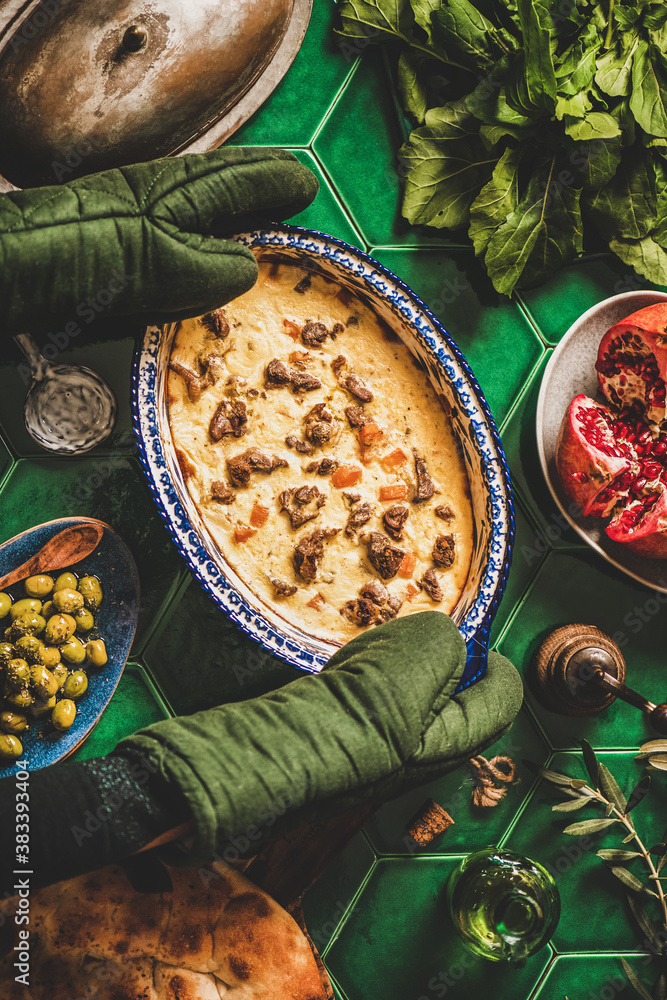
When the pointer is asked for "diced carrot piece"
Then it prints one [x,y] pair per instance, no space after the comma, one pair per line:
[411,591]
[242,532]
[407,567]
[397,491]
[346,475]
[259,515]
[395,458]
[292,329]
[344,296]
[317,602]
[369,431]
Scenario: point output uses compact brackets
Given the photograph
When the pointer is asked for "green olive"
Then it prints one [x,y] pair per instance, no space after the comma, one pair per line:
[84,620]
[10,747]
[60,674]
[73,650]
[30,648]
[17,673]
[28,624]
[6,653]
[76,685]
[63,715]
[19,699]
[23,606]
[67,601]
[58,629]
[96,652]
[66,581]
[49,657]
[38,586]
[40,708]
[42,682]
[13,722]
[91,589]
[5,604]
[48,610]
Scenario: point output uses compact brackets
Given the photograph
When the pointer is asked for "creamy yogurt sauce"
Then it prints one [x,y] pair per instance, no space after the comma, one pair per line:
[262,379]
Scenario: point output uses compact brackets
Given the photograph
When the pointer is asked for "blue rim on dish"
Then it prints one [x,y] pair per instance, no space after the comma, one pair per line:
[115,622]
[424,335]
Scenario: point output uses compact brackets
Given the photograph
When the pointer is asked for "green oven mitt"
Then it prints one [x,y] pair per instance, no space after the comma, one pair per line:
[382,718]
[146,241]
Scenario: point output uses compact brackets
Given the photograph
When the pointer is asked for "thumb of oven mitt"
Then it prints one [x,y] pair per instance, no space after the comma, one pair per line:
[381,718]
[144,241]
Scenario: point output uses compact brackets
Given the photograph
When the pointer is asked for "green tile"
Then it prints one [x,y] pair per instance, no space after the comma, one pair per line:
[593,977]
[199,658]
[325,214]
[5,458]
[581,587]
[499,344]
[135,704]
[110,488]
[325,905]
[474,828]
[293,112]
[92,347]
[358,146]
[594,913]
[555,305]
[520,443]
[399,943]
[528,553]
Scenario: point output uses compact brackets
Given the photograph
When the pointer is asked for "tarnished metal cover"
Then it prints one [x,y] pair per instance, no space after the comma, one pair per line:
[109,82]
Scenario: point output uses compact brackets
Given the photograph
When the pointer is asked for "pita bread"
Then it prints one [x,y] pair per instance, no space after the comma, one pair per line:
[215,936]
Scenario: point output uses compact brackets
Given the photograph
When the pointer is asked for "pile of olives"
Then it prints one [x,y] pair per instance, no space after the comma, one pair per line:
[45,654]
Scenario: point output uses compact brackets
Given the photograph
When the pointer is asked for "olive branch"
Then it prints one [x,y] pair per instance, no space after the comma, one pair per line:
[604,790]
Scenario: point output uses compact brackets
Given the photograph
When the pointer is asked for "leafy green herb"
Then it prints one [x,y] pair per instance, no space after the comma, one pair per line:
[553,136]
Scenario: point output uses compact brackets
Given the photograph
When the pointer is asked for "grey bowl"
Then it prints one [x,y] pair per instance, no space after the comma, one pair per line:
[571,370]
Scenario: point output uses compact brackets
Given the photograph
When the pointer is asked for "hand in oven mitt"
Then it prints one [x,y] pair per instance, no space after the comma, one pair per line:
[153,235]
[379,720]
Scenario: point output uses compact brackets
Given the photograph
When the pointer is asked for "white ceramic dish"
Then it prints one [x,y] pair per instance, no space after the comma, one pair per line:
[571,370]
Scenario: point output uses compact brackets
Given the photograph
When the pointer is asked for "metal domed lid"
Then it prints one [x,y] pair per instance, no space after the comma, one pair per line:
[91,84]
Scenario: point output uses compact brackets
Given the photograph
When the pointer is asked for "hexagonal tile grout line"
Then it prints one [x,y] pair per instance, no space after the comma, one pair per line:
[334,192]
[339,93]
[545,971]
[526,387]
[532,322]
[167,608]
[352,903]
[173,594]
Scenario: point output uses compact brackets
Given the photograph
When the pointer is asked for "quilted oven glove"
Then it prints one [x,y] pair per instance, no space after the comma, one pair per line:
[380,719]
[156,230]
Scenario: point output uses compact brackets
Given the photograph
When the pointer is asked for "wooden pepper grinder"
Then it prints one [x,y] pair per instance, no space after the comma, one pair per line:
[580,671]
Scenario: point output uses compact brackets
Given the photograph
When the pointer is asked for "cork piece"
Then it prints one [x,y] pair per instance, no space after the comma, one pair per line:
[429,823]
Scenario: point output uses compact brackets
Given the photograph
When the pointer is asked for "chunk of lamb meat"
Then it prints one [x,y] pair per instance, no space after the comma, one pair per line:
[305,381]
[351,382]
[425,486]
[241,467]
[216,323]
[314,334]
[221,492]
[444,512]
[356,416]
[324,467]
[319,425]
[292,441]
[303,503]
[309,552]
[444,550]
[282,588]
[394,519]
[229,418]
[431,585]
[361,515]
[384,557]
[277,374]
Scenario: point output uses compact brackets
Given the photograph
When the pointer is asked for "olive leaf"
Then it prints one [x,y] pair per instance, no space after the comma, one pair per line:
[610,787]
[638,793]
[635,981]
[636,905]
[615,854]
[497,199]
[588,826]
[631,881]
[553,776]
[660,988]
[591,763]
[572,805]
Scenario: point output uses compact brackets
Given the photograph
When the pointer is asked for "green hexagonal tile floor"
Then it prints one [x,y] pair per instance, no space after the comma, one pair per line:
[377,914]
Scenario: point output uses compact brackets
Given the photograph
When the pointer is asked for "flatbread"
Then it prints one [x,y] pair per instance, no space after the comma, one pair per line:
[215,936]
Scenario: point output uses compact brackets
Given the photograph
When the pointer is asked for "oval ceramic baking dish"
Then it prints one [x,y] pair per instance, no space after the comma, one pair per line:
[448,371]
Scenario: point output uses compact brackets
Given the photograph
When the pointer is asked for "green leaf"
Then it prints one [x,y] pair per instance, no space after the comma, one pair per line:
[653,746]
[594,125]
[648,259]
[423,10]
[629,880]
[573,107]
[576,66]
[496,200]
[448,165]
[659,761]
[596,162]
[616,854]
[626,840]
[642,918]
[591,762]
[626,206]
[588,826]
[635,982]
[611,789]
[466,31]
[660,988]
[638,793]
[411,86]
[648,100]
[489,100]
[369,18]
[614,68]
[540,73]
[572,805]
[578,783]
[553,776]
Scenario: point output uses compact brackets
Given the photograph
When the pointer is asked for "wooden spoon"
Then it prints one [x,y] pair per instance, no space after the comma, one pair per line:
[64,549]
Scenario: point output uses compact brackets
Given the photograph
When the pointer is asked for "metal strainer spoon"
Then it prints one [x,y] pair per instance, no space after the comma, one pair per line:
[69,408]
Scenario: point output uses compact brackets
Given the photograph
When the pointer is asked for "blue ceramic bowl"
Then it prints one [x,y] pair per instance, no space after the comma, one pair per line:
[454,382]
[115,622]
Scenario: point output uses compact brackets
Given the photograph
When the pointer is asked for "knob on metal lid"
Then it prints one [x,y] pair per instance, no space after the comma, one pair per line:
[90,84]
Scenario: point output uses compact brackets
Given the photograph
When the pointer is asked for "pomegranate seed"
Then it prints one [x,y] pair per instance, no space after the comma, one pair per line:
[651,469]
[639,483]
